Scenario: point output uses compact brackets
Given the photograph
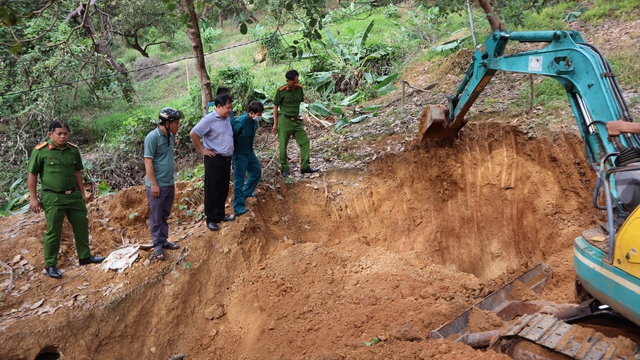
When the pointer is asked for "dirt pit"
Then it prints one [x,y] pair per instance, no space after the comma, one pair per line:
[318,267]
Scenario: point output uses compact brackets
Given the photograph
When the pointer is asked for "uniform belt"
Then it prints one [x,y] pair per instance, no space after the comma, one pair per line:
[66,192]
[293,118]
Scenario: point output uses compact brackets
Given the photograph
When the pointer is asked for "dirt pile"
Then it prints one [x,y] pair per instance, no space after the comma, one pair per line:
[320,266]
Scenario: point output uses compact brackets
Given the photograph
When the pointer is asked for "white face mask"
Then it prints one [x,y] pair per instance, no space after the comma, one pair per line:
[257,118]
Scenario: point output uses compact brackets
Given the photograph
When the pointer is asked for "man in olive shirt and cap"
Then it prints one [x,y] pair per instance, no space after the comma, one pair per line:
[287,122]
[59,165]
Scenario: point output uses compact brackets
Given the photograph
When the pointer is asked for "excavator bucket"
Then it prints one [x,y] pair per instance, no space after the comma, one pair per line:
[499,303]
[436,124]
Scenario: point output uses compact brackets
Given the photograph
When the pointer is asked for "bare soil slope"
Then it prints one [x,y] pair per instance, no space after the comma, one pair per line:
[320,265]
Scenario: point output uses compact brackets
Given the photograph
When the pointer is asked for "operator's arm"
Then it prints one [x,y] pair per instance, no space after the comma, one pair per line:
[80,184]
[618,127]
[198,144]
[275,119]
[32,183]
[151,175]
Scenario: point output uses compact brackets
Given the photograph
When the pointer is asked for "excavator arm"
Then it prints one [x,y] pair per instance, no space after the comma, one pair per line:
[585,74]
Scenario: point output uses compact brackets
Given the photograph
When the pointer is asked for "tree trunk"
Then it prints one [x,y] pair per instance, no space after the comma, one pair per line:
[196,45]
[494,20]
[101,48]
[220,22]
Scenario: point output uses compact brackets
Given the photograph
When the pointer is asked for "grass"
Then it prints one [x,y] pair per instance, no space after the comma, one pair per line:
[623,9]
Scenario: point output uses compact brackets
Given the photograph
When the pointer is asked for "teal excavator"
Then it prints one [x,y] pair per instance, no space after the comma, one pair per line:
[606,259]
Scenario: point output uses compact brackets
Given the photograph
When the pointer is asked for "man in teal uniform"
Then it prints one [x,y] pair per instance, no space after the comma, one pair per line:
[287,122]
[244,158]
[59,165]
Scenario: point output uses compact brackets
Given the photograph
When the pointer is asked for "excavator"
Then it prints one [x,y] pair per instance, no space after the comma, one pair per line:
[606,259]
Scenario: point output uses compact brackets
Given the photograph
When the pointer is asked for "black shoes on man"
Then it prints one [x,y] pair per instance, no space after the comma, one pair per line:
[91,260]
[55,273]
[309,170]
[214,227]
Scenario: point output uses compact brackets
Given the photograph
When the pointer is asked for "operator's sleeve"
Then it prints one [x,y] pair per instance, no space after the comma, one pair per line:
[150,145]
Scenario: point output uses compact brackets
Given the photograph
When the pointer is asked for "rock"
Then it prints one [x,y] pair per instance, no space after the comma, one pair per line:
[214,312]
[406,333]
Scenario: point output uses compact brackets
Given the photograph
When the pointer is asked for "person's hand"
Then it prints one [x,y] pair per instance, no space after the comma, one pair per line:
[209,153]
[615,128]
[34,205]
[155,191]
[274,129]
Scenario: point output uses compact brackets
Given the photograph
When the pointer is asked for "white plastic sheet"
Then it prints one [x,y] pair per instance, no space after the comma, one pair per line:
[121,258]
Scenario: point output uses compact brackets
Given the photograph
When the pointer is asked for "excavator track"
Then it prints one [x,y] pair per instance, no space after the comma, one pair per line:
[573,341]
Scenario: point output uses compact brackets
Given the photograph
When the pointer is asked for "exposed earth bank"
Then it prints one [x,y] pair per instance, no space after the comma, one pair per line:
[320,265]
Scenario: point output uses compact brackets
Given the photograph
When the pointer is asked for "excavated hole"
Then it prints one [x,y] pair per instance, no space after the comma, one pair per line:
[406,244]
[48,353]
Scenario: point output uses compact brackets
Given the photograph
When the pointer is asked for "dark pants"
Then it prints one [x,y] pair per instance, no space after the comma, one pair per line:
[243,164]
[217,173]
[159,211]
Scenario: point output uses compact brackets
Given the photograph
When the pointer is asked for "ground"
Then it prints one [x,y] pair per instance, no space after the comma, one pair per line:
[388,243]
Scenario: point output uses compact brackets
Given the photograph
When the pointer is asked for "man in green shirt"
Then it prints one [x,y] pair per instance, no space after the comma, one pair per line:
[59,165]
[287,122]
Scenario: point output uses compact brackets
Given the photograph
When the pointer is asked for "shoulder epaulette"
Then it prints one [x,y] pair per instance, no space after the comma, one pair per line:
[72,144]
[282,87]
[41,145]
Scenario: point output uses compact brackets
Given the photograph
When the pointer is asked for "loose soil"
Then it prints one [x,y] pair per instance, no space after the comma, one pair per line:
[319,266]
[360,261]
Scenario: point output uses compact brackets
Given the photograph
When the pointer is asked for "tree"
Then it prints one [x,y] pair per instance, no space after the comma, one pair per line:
[193,31]
[83,19]
[142,23]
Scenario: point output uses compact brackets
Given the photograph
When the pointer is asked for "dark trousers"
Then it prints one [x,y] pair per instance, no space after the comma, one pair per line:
[217,173]
[159,211]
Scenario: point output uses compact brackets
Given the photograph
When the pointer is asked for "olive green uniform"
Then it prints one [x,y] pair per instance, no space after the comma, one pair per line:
[290,124]
[60,196]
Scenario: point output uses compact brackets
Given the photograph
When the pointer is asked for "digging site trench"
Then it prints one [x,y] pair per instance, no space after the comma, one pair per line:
[319,266]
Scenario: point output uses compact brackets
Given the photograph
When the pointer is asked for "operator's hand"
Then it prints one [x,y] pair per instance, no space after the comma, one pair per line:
[615,128]
[35,205]
[155,191]
[209,153]
[274,129]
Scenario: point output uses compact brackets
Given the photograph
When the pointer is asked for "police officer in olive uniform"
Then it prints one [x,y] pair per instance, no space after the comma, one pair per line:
[287,122]
[59,165]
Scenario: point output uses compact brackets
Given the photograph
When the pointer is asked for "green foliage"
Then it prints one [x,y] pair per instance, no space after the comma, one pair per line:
[548,18]
[626,66]
[549,93]
[13,200]
[624,9]
[240,80]
[424,23]
[272,44]
[510,12]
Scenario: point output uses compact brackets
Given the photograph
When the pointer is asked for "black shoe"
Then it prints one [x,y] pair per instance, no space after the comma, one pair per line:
[309,170]
[53,272]
[285,174]
[213,226]
[92,260]
[226,218]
